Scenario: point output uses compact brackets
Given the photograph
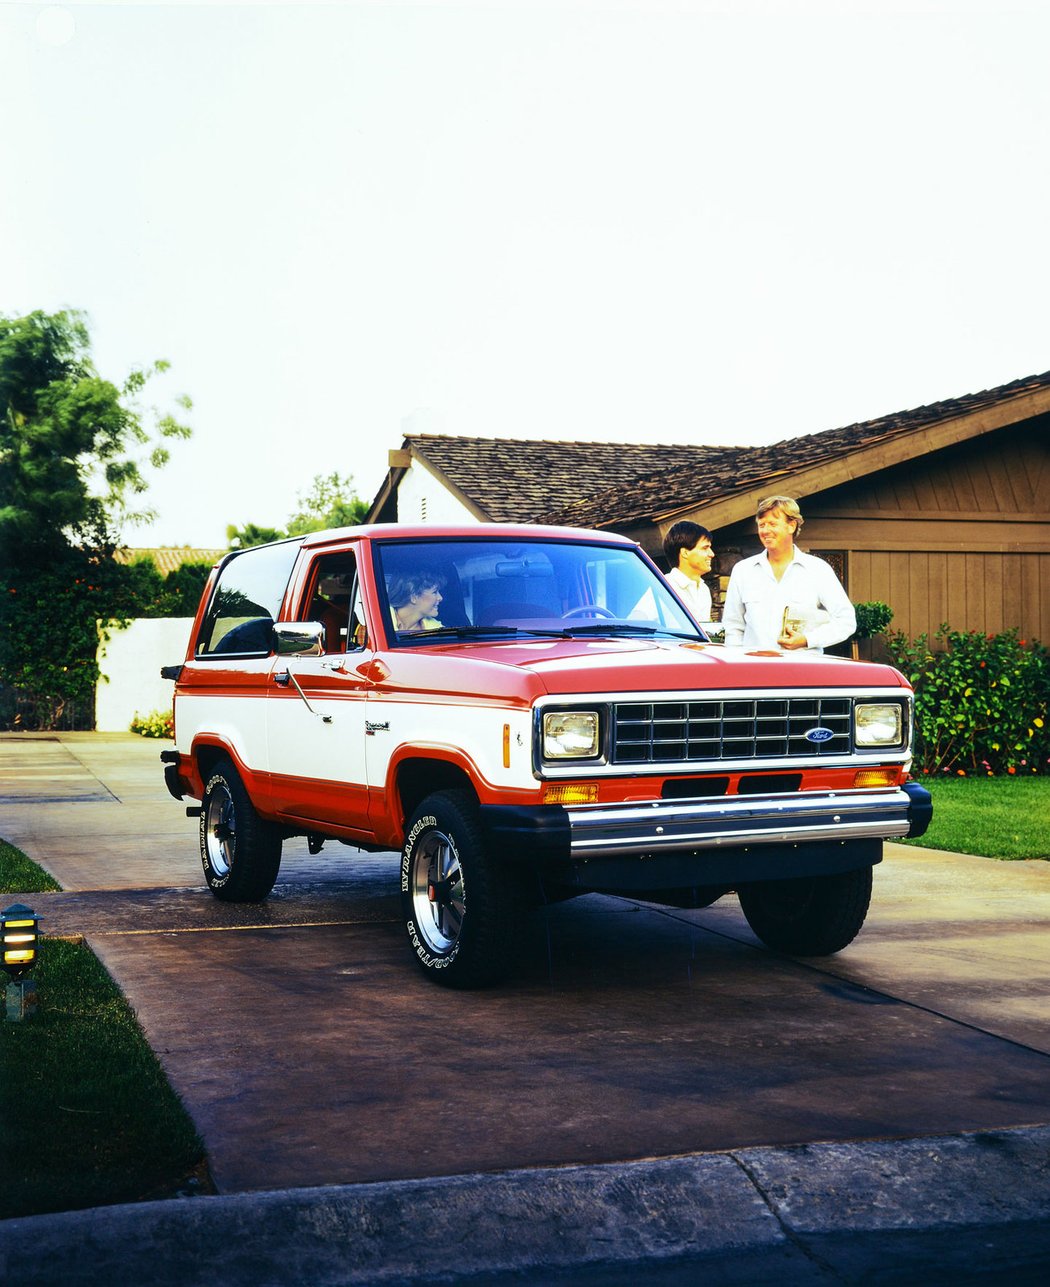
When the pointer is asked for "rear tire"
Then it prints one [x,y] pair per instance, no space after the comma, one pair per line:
[812,916]
[240,852]
[462,911]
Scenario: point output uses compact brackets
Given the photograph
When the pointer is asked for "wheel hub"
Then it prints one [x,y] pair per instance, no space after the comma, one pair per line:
[439,891]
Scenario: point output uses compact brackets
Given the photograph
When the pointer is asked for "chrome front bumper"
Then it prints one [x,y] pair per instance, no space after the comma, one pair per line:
[609,831]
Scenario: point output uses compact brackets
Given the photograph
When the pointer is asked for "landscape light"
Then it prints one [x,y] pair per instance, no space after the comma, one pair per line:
[18,940]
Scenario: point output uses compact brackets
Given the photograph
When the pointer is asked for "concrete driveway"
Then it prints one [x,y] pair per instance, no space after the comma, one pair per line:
[310,1053]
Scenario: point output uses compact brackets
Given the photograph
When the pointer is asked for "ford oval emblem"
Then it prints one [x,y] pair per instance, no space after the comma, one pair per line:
[819,734]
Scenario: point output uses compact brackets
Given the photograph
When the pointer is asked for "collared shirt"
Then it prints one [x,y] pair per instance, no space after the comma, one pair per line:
[695,593]
[809,590]
[425,623]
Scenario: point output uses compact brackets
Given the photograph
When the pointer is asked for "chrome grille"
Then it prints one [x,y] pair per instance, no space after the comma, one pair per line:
[741,729]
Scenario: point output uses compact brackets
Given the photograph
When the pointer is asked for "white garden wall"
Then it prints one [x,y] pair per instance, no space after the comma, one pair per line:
[130,661]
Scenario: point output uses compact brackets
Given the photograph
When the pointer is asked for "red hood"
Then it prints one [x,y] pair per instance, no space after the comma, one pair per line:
[646,664]
[523,670]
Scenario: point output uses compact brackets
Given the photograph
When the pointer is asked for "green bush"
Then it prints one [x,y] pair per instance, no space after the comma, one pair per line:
[49,634]
[155,724]
[980,701]
[872,618]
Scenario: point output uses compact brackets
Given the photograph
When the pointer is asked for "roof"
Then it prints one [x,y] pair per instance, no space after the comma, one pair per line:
[725,472]
[601,484]
[524,480]
[167,558]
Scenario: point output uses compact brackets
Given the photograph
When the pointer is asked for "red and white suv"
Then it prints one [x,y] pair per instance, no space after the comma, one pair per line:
[555,723]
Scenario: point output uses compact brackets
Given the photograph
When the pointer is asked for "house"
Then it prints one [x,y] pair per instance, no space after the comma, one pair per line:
[942,511]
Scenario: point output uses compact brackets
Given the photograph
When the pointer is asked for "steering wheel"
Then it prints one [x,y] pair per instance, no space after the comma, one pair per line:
[588,610]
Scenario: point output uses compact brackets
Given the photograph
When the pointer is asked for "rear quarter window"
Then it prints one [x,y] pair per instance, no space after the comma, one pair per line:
[246,601]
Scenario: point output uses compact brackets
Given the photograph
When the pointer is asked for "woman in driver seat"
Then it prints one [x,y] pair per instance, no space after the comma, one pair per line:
[414,601]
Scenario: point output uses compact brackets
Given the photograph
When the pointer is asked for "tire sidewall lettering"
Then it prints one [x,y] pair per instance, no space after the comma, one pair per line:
[427,957]
[418,827]
[215,881]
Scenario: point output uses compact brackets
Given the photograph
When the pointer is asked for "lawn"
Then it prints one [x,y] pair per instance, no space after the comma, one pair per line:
[87,1117]
[1000,817]
[19,875]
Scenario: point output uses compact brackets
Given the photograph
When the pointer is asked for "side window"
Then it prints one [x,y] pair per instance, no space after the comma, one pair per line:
[246,601]
[331,591]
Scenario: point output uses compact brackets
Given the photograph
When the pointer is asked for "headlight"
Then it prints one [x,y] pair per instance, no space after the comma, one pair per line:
[570,735]
[879,724]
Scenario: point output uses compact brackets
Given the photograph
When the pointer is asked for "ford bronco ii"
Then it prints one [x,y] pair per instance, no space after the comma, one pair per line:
[528,713]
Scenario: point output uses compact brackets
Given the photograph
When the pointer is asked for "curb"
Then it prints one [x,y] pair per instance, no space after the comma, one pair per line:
[809,1207]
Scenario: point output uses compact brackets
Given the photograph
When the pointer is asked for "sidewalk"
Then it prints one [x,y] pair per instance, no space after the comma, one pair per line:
[654,1094]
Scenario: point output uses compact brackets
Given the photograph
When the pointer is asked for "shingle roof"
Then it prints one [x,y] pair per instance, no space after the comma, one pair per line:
[168,558]
[718,472]
[515,480]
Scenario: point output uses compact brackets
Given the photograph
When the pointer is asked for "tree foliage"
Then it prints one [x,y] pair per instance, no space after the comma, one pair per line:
[74,450]
[73,446]
[330,502]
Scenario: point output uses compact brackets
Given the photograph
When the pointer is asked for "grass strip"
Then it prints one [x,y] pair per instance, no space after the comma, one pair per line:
[1000,817]
[20,875]
[87,1116]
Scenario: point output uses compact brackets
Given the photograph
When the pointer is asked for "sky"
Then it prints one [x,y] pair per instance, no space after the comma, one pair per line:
[600,220]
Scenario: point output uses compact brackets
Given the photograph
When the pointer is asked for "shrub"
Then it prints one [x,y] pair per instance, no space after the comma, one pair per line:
[155,724]
[872,618]
[980,700]
[49,634]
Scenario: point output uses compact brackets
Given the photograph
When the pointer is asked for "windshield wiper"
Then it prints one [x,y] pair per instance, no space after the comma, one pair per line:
[628,628]
[486,632]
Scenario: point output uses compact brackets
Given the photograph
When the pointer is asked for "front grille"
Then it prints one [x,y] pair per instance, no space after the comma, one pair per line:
[742,729]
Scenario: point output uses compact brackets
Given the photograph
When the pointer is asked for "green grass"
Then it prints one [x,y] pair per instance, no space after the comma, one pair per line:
[1000,817]
[19,875]
[87,1117]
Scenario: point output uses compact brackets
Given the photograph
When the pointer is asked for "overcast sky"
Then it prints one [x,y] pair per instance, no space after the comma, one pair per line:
[636,221]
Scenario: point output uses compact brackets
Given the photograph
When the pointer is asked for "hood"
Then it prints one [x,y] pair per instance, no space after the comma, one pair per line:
[612,665]
[526,669]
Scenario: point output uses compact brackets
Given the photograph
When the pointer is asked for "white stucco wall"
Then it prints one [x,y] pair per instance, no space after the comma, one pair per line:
[131,660]
[422,499]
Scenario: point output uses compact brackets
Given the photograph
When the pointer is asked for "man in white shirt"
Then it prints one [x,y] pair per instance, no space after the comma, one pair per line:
[688,549]
[784,598]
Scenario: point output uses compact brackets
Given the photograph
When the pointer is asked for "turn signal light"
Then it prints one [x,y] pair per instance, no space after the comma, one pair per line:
[571,793]
[876,777]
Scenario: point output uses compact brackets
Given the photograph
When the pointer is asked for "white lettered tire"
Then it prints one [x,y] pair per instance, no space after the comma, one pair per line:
[461,910]
[240,852]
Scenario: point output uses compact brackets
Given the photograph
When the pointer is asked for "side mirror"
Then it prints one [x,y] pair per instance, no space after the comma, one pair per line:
[299,638]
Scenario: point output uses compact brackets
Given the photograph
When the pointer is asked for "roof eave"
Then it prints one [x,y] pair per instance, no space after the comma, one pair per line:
[833,470]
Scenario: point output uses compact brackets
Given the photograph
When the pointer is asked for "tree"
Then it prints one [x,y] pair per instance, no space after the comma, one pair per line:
[73,449]
[330,502]
[251,534]
[72,445]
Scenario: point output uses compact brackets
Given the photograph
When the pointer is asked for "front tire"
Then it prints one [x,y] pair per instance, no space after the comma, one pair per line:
[811,916]
[461,910]
[240,852]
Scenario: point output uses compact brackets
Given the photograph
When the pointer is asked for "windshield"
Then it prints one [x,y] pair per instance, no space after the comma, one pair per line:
[437,589]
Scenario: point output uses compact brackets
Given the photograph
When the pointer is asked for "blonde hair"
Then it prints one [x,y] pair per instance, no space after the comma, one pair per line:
[787,506]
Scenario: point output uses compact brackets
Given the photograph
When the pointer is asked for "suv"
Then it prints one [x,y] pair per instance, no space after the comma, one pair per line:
[528,713]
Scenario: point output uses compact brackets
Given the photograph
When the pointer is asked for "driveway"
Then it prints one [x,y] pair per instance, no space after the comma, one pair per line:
[309,1051]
